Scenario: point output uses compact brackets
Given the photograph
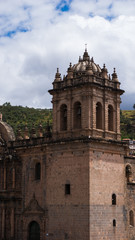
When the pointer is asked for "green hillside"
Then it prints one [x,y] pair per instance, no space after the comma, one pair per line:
[128,124]
[19,117]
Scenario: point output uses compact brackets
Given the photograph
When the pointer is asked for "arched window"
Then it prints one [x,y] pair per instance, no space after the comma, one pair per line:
[63,117]
[37,171]
[128,173]
[110,118]
[99,116]
[113,199]
[34,231]
[131,218]
[77,115]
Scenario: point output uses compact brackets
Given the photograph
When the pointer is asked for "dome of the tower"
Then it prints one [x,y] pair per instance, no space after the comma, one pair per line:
[82,64]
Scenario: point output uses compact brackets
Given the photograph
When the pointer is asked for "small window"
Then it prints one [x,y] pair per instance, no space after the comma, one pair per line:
[67,189]
[114,223]
[113,199]
[131,218]
[37,171]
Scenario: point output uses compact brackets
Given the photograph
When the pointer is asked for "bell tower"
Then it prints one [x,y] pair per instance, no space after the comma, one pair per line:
[86,102]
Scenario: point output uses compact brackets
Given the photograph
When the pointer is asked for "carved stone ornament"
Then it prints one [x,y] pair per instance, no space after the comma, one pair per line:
[33,207]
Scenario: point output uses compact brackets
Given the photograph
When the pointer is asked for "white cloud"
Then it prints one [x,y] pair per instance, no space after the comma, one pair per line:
[29,59]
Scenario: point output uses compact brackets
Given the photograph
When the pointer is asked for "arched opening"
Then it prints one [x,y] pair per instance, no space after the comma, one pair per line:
[63,117]
[131,218]
[99,116]
[128,173]
[37,171]
[110,118]
[77,115]
[34,231]
[113,199]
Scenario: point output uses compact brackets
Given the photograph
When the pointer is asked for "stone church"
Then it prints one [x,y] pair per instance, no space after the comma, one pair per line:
[76,181]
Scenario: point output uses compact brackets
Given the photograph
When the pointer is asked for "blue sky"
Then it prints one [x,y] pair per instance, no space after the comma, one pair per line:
[36,37]
[64,6]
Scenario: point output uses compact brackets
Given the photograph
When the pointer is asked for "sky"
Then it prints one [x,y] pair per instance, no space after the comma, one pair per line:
[37,36]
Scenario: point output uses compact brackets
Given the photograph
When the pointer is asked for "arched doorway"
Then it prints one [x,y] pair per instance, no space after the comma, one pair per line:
[34,231]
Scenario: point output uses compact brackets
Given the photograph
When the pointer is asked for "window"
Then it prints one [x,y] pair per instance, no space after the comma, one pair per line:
[63,117]
[37,171]
[114,223]
[113,199]
[77,115]
[34,231]
[110,118]
[131,218]
[67,189]
[128,173]
[99,116]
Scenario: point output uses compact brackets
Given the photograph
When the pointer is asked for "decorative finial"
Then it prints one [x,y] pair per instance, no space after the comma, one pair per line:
[19,134]
[57,76]
[104,72]
[40,130]
[85,55]
[85,47]
[26,132]
[114,76]
[70,71]
[92,59]
[33,132]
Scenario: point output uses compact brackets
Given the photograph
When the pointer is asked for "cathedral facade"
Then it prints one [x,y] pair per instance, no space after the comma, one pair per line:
[76,181]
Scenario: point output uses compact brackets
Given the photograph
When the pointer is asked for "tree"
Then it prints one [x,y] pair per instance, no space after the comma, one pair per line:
[134,106]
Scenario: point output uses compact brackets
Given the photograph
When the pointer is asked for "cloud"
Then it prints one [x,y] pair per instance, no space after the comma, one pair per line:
[36,37]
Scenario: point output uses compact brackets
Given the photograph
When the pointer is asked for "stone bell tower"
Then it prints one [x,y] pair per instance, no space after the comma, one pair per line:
[86,102]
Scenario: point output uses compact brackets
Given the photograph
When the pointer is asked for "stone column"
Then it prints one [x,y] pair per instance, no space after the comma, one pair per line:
[70,112]
[106,116]
[13,178]
[3,223]
[94,113]
[12,223]
[5,178]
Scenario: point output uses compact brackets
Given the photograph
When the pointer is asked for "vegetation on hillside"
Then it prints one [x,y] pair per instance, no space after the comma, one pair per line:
[127,121]
[19,117]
